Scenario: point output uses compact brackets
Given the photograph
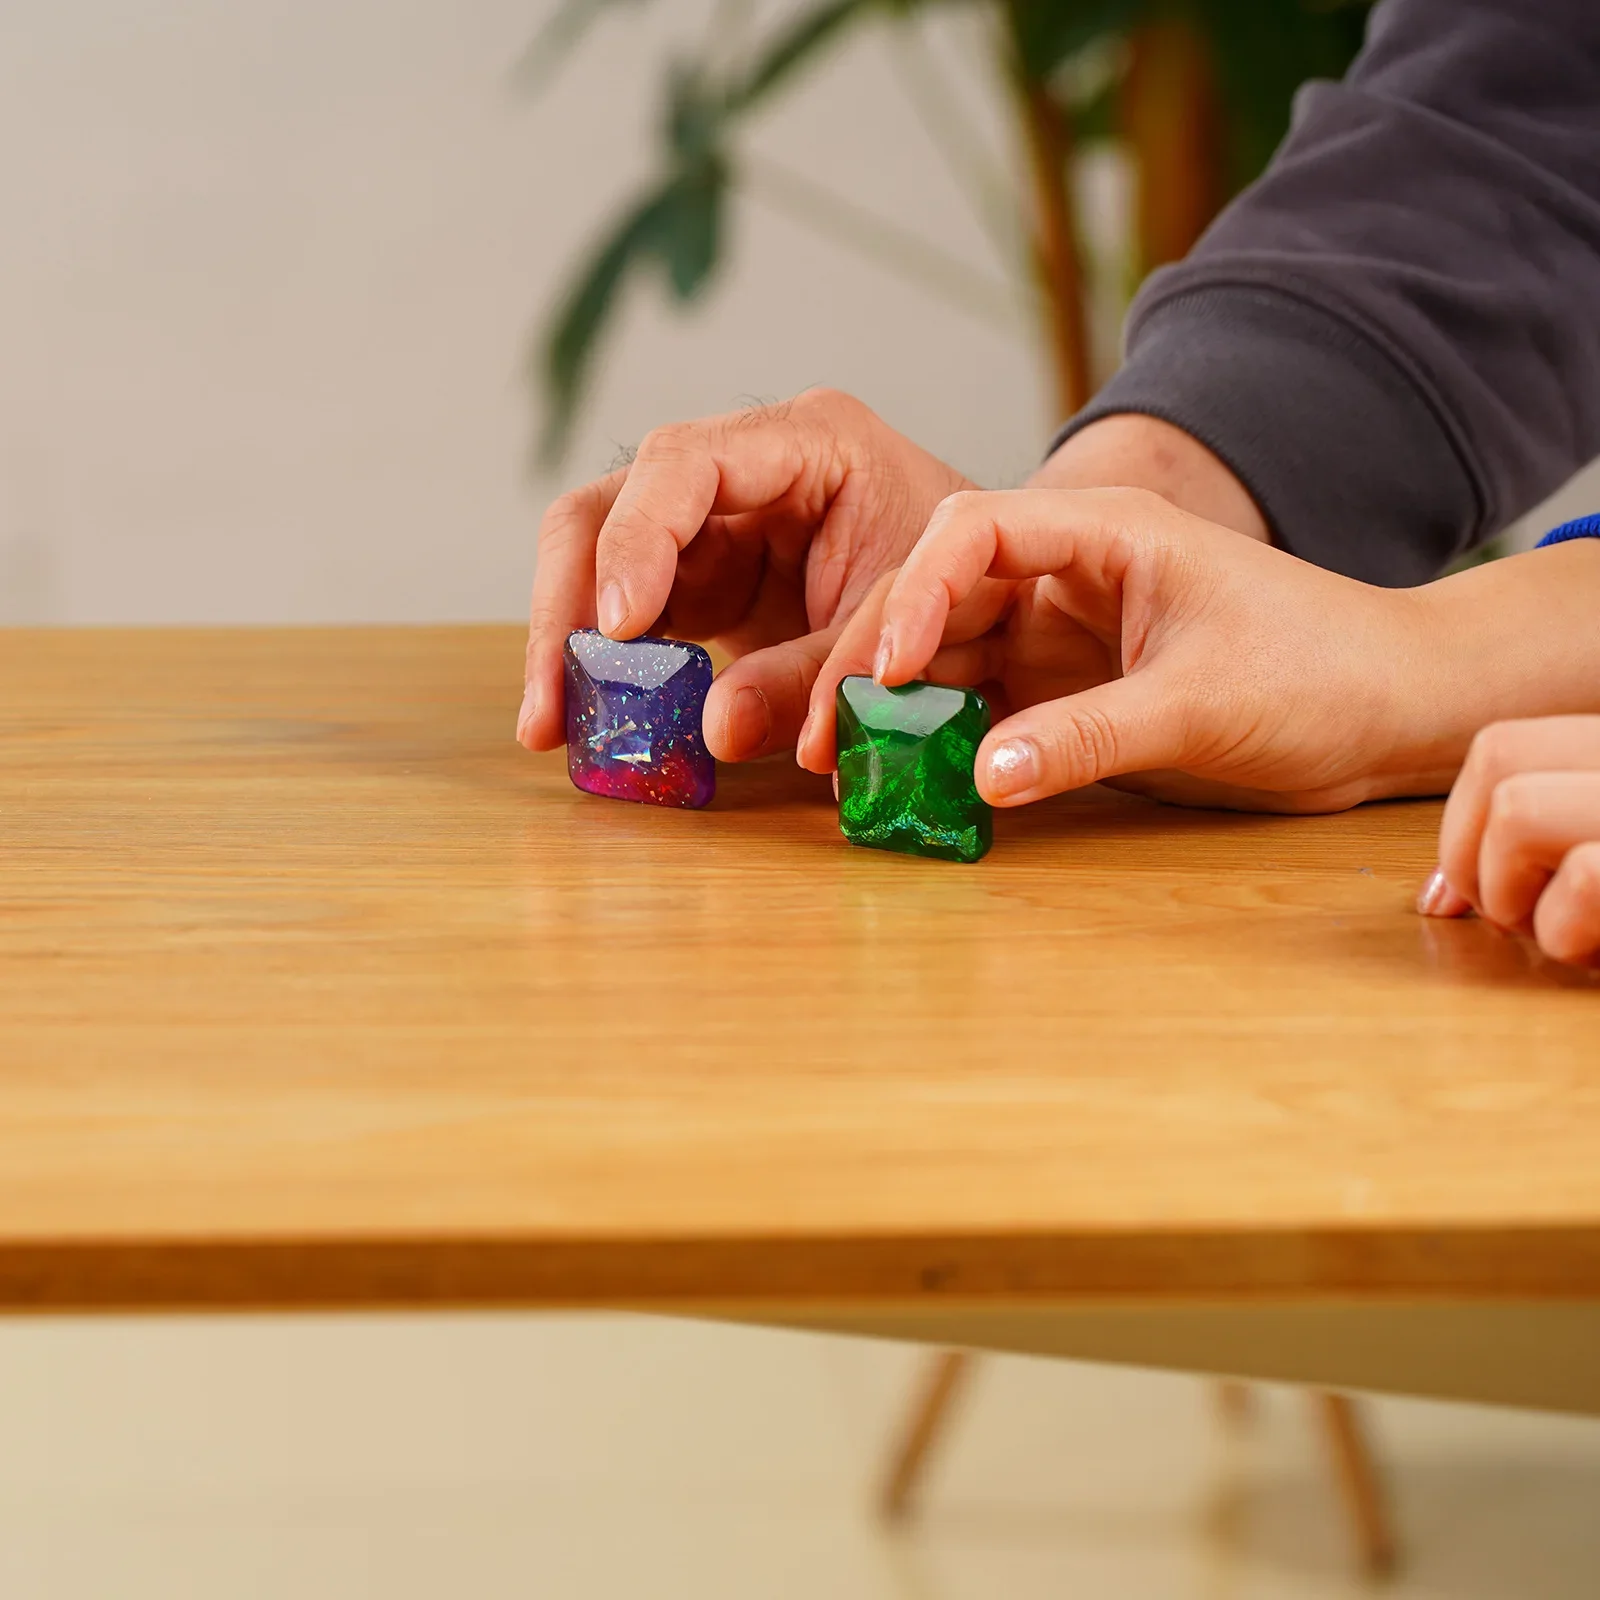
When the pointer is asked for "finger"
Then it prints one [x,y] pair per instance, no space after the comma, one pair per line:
[758,704]
[1014,534]
[1534,819]
[1567,922]
[966,665]
[977,618]
[563,599]
[777,613]
[1132,724]
[685,473]
[853,646]
[1543,744]
[718,579]
[1437,899]
[1048,652]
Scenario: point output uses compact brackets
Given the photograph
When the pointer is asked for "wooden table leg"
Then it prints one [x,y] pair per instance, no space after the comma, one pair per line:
[942,1380]
[1235,1402]
[1355,1468]
[1359,1483]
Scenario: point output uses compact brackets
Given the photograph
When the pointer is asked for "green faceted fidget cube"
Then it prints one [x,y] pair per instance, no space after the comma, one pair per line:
[905,769]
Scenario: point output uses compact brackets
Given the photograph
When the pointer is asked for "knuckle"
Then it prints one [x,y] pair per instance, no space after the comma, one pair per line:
[566,514]
[569,504]
[642,532]
[842,415]
[1139,504]
[824,398]
[962,506]
[800,674]
[1131,510]
[757,413]
[574,517]
[543,624]
[1582,869]
[1513,803]
[669,441]
[1491,750]
[1085,741]
[542,660]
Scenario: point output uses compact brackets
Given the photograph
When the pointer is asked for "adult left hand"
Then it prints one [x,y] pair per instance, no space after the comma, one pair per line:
[1520,842]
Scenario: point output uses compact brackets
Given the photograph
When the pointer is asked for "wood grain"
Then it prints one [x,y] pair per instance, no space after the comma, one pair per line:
[317,990]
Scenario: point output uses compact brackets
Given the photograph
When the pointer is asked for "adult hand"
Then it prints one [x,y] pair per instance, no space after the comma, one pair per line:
[759,532]
[1520,841]
[1223,671]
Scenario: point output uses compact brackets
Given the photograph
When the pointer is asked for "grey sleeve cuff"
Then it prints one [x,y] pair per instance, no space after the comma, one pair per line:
[1344,453]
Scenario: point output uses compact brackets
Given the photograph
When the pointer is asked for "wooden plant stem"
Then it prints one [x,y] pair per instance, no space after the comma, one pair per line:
[1170,117]
[1058,263]
[1057,259]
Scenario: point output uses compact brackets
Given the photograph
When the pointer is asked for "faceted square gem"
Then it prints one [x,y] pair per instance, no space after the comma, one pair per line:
[633,719]
[905,769]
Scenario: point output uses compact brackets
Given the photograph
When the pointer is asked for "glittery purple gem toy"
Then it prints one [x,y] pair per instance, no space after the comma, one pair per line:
[633,719]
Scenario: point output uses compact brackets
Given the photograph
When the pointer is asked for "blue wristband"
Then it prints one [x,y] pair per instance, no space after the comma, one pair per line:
[1583,528]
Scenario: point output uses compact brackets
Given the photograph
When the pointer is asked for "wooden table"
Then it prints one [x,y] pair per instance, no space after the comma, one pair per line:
[319,992]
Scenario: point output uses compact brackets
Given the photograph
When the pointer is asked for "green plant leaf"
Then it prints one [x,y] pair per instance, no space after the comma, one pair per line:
[690,232]
[559,35]
[1264,51]
[677,225]
[793,46]
[1045,33]
[1095,120]
[580,316]
[697,113]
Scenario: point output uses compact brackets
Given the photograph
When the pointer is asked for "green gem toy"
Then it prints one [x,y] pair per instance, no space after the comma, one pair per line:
[905,769]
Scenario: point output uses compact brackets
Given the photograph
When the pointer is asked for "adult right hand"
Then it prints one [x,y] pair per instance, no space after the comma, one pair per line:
[759,532]
[1228,673]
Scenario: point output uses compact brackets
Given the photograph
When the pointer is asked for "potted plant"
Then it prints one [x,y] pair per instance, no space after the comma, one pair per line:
[1197,92]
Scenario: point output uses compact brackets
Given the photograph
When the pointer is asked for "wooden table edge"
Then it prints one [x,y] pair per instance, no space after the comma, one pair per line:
[414,1270]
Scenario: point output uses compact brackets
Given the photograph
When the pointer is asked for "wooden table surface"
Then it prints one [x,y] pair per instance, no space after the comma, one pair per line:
[316,990]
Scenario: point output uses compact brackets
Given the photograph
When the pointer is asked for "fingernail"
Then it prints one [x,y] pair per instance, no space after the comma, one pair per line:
[805,733]
[613,608]
[885,656]
[530,709]
[749,722]
[1013,767]
[835,783]
[1438,899]
[1434,894]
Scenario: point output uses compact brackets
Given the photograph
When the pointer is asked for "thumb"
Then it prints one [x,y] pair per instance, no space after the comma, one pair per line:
[1132,724]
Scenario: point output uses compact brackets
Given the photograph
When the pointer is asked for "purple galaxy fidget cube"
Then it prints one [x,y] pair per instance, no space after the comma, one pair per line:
[633,719]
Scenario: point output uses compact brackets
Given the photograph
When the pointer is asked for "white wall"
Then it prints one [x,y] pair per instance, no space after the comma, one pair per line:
[268,271]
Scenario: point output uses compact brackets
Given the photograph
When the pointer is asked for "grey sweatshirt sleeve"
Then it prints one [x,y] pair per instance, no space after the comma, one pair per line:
[1393,336]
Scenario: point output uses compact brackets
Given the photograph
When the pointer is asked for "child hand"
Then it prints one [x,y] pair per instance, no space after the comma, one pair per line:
[757,531]
[1130,641]
[1520,841]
